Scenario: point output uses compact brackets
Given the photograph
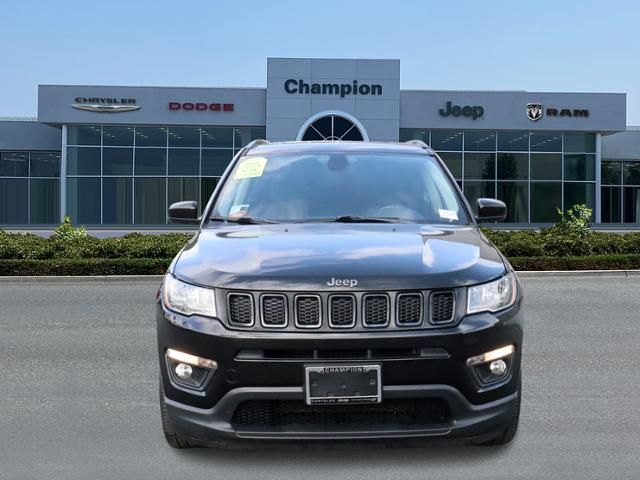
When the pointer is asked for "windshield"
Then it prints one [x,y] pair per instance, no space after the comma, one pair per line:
[325,185]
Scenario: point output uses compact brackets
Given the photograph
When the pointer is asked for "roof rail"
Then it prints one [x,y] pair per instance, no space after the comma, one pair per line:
[255,143]
[418,143]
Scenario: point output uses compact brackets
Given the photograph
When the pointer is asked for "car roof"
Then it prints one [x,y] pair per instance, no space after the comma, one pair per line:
[266,148]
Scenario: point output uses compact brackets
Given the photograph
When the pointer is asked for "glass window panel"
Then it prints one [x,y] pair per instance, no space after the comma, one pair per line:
[513,140]
[83,135]
[631,172]
[219,137]
[546,198]
[83,161]
[117,136]
[184,161]
[580,142]
[151,136]
[479,165]
[184,189]
[611,173]
[117,161]
[453,160]
[546,141]
[610,201]
[214,162]
[14,164]
[184,137]
[579,167]
[45,164]
[516,197]
[207,186]
[631,205]
[407,134]
[83,200]
[245,134]
[151,161]
[446,140]
[117,198]
[480,140]
[513,166]
[579,193]
[45,201]
[546,166]
[150,201]
[475,190]
[14,201]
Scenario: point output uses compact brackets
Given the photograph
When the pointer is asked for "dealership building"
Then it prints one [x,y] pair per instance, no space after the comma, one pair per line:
[117,156]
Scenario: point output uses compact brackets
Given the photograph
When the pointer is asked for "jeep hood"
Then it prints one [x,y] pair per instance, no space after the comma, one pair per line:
[304,257]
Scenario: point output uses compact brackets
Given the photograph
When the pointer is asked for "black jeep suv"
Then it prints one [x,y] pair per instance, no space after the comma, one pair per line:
[338,290]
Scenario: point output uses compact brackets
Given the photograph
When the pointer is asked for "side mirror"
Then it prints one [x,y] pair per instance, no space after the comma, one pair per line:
[491,210]
[184,212]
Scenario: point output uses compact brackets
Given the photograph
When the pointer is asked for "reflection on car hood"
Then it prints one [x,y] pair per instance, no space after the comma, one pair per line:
[307,256]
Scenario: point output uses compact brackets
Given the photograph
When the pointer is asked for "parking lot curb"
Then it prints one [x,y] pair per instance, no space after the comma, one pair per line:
[576,273]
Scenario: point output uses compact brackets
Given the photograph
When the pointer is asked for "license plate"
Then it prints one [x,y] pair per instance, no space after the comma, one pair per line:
[339,384]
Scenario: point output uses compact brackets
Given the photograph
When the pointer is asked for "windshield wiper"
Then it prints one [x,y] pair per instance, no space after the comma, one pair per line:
[243,220]
[356,219]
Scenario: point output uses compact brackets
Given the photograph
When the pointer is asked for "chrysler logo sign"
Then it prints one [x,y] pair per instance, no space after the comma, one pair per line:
[105,105]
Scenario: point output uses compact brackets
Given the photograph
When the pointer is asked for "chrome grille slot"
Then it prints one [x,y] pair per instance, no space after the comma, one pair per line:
[274,310]
[342,311]
[442,307]
[308,311]
[409,309]
[240,309]
[375,311]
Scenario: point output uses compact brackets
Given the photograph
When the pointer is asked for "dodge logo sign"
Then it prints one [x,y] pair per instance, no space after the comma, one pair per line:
[201,106]
[534,111]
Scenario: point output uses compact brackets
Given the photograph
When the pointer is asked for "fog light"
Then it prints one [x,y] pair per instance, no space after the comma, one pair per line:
[491,356]
[184,371]
[189,371]
[498,367]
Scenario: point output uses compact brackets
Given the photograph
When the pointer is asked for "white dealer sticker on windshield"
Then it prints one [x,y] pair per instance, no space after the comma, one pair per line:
[250,167]
[448,214]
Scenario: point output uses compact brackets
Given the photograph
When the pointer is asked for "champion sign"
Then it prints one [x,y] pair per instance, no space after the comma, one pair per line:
[201,106]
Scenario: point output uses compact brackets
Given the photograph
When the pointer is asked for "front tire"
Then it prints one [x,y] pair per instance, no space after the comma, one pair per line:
[173,438]
[508,433]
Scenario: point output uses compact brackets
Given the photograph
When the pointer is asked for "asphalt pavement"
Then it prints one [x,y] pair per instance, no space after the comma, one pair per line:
[78,394]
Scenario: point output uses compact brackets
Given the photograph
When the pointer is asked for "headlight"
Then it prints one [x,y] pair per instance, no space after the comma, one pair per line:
[188,299]
[492,296]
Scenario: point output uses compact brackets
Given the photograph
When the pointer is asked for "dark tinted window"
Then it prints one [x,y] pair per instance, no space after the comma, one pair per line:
[546,166]
[513,140]
[14,201]
[45,201]
[184,137]
[117,161]
[513,166]
[83,200]
[83,161]
[14,164]
[151,136]
[546,141]
[579,167]
[183,161]
[117,136]
[45,164]
[151,161]
[150,201]
[516,197]
[580,142]
[479,140]
[611,173]
[446,140]
[546,198]
[610,198]
[83,135]
[479,166]
[117,200]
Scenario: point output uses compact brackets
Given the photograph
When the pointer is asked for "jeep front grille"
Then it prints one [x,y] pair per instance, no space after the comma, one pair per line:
[333,311]
[409,309]
[240,306]
[442,307]
[274,310]
[342,311]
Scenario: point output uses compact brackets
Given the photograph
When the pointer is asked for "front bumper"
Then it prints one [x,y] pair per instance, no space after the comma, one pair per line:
[473,409]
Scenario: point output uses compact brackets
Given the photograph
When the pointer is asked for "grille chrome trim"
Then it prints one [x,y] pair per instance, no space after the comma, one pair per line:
[453,307]
[364,310]
[230,317]
[295,309]
[354,304]
[409,324]
[286,310]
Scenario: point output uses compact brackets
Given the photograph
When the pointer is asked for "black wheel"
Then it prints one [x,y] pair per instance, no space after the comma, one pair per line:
[173,438]
[507,434]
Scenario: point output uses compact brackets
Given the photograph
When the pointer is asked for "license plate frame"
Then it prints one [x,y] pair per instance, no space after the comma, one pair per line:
[342,384]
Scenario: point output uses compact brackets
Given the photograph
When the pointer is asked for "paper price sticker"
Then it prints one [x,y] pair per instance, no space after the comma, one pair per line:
[448,214]
[250,167]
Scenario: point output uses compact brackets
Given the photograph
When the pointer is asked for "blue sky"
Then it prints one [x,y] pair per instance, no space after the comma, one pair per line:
[477,45]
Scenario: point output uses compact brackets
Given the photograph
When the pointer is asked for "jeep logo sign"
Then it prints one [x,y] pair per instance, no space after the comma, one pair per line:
[475,111]
[344,282]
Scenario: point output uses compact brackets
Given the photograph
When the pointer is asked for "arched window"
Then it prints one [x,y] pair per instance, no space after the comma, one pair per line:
[332,128]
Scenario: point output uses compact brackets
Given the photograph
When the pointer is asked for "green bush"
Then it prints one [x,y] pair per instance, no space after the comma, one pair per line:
[85,266]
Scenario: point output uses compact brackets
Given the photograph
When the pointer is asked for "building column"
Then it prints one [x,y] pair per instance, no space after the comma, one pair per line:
[598,177]
[63,174]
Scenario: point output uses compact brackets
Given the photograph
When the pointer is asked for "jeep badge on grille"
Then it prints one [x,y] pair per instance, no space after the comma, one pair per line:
[344,282]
